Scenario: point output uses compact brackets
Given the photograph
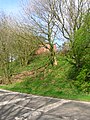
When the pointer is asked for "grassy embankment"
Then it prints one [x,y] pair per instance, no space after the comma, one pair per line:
[52,82]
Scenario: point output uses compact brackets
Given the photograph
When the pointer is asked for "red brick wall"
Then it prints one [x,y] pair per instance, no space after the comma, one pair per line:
[42,49]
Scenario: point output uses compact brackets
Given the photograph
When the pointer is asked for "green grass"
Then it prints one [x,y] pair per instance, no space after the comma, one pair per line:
[38,61]
[52,83]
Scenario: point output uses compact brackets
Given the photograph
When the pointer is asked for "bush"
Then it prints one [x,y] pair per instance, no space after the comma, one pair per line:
[80,57]
[83,79]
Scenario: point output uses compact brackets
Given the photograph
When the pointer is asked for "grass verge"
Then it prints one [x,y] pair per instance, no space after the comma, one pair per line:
[52,82]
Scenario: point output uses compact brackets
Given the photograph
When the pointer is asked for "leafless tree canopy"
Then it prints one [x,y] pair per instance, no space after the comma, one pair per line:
[50,18]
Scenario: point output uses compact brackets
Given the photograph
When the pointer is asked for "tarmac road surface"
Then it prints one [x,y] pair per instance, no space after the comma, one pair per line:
[19,106]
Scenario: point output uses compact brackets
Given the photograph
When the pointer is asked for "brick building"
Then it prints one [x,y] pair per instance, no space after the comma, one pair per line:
[43,49]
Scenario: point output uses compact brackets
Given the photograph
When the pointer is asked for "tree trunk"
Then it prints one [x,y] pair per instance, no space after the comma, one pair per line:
[53,56]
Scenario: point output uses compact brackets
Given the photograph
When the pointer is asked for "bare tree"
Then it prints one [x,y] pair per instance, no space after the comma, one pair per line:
[25,44]
[5,47]
[49,18]
[16,44]
[69,15]
[42,22]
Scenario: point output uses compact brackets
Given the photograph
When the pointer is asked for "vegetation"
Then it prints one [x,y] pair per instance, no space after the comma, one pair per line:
[5,48]
[16,47]
[25,71]
[80,56]
[52,81]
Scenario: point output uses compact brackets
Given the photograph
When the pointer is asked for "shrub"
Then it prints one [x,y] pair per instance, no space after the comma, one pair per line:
[80,57]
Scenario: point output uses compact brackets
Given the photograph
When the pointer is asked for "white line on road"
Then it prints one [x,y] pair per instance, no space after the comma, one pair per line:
[52,106]
[11,101]
[44,109]
[7,94]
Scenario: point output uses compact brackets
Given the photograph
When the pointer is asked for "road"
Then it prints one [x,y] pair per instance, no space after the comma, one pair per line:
[18,106]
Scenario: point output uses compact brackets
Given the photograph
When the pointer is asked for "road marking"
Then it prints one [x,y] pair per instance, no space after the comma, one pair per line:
[34,115]
[42,109]
[28,108]
[7,94]
[17,118]
[52,106]
[11,101]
